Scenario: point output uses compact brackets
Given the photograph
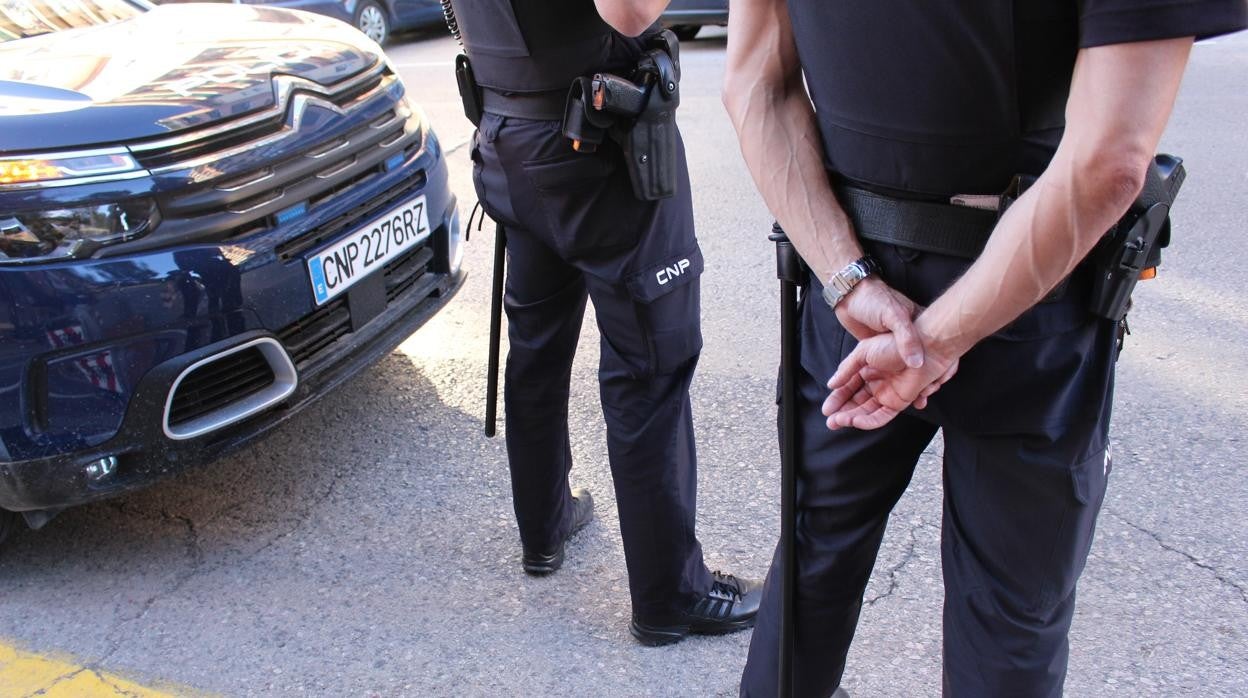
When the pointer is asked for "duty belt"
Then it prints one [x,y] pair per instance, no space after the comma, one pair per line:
[539,106]
[959,231]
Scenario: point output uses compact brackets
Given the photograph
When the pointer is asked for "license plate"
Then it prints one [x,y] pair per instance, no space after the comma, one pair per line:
[362,252]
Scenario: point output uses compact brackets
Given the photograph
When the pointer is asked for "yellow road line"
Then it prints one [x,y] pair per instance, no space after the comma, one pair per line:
[25,674]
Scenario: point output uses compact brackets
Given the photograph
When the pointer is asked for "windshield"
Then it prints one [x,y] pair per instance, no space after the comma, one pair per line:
[22,18]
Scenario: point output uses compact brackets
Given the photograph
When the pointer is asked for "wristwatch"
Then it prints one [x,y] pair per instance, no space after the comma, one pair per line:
[844,281]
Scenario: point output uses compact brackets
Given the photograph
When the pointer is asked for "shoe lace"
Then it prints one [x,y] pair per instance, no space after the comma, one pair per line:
[726,584]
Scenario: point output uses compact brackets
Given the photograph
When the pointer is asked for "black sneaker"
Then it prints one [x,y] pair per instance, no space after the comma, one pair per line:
[543,563]
[729,606]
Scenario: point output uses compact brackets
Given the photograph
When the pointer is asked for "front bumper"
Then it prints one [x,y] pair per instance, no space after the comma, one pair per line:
[146,454]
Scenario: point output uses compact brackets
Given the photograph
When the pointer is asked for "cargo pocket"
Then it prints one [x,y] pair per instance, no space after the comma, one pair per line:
[588,203]
[667,299]
[1088,481]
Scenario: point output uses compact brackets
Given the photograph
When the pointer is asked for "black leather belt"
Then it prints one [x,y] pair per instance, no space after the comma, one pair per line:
[539,106]
[959,231]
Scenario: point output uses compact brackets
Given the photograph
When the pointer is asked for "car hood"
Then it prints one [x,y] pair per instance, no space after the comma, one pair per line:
[175,68]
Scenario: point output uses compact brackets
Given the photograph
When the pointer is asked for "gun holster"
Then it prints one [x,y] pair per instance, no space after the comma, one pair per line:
[639,113]
[1134,245]
[650,145]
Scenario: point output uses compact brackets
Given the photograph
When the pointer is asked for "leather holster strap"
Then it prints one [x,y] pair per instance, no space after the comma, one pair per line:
[539,106]
[958,231]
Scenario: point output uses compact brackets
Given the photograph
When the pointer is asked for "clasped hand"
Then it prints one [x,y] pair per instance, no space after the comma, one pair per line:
[890,369]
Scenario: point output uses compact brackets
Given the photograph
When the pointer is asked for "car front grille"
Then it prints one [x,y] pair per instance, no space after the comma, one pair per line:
[410,276]
[217,208]
[247,203]
[309,335]
[322,234]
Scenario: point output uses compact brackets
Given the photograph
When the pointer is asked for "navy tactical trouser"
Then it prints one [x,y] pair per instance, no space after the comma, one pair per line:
[575,230]
[1025,425]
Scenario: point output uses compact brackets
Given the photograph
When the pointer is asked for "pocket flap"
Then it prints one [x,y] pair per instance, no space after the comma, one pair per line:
[654,282]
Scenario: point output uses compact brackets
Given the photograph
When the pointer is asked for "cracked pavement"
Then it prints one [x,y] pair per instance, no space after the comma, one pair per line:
[368,548]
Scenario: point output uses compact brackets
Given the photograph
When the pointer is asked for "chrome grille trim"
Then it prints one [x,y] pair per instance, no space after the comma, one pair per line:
[333,170]
[286,131]
[258,202]
[286,378]
[283,89]
[247,180]
[327,149]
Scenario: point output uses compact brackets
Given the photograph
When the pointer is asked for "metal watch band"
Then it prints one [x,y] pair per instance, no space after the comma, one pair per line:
[844,281]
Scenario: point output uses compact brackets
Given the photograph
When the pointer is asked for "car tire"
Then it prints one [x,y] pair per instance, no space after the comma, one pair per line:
[371,19]
[9,523]
[686,32]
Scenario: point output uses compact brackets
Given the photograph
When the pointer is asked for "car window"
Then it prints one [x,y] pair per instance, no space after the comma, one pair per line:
[22,18]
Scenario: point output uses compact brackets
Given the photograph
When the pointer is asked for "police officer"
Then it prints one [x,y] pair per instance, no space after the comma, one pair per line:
[922,112]
[575,231]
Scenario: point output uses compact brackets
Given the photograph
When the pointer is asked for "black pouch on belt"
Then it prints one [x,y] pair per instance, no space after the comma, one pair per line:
[469,90]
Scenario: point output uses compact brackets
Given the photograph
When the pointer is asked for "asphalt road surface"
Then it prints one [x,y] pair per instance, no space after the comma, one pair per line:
[368,547]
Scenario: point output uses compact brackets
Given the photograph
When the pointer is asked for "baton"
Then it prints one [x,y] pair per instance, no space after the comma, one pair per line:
[789,271]
[496,329]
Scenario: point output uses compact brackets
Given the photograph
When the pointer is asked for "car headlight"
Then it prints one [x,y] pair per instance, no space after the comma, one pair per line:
[49,235]
[68,166]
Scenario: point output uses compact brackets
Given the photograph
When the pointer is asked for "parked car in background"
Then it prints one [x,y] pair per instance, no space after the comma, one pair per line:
[210,216]
[376,18]
[687,17]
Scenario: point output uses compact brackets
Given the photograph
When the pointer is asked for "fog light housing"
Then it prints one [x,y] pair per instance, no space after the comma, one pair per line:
[101,468]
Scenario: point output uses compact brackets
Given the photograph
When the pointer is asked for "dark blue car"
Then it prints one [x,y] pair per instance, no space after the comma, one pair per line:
[210,215]
[376,18]
[687,17]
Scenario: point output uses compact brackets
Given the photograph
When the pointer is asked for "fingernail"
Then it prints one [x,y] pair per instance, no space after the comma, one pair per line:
[914,360]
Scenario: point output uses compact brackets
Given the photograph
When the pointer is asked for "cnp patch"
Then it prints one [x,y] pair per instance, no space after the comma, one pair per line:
[653,282]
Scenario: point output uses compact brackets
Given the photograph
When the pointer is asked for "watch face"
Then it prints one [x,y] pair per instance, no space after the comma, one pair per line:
[831,296]
[844,281]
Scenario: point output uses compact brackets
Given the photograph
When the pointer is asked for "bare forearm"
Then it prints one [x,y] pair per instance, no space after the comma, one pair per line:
[775,123]
[1120,100]
[630,17]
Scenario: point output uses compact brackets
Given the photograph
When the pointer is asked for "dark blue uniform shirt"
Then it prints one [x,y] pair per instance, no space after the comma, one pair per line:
[942,98]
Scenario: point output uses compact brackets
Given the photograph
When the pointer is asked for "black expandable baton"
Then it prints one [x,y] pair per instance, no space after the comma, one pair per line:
[496,329]
[789,271]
